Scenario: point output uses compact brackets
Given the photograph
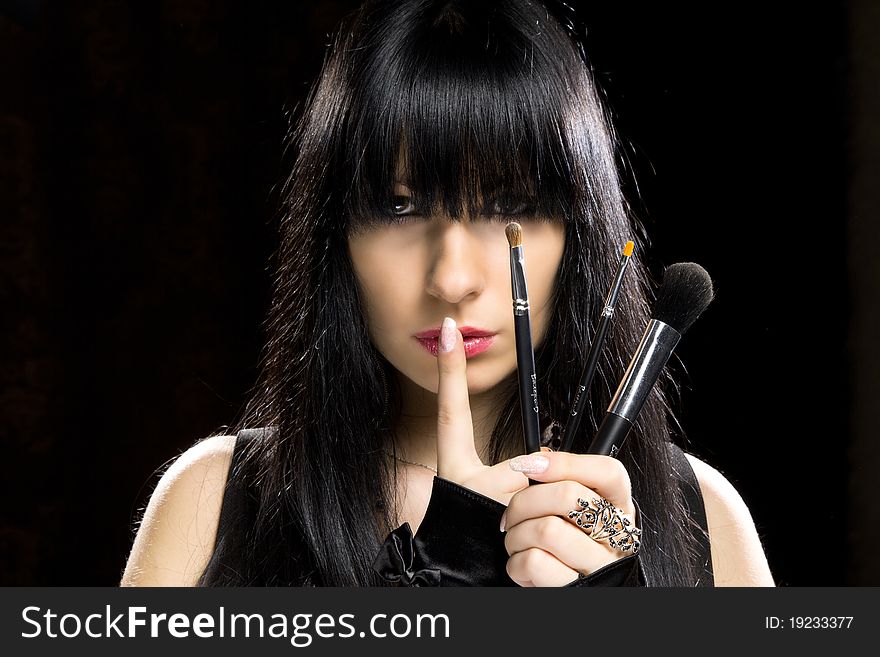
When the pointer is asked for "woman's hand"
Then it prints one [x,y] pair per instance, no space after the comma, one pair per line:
[457,458]
[545,545]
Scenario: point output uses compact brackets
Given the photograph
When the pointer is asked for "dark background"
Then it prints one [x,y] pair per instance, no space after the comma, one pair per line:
[140,154]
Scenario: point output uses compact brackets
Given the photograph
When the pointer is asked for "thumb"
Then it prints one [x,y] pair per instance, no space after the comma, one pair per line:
[456,454]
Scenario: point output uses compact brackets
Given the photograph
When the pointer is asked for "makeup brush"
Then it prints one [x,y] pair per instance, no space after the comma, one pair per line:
[525,357]
[684,295]
[577,407]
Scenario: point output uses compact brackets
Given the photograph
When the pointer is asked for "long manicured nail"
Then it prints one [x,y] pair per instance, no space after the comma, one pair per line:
[530,463]
[503,520]
[447,335]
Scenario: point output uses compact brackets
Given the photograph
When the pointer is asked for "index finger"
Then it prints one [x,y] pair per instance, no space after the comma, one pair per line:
[456,453]
[604,474]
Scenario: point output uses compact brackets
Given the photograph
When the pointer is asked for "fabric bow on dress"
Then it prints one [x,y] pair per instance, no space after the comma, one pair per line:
[396,557]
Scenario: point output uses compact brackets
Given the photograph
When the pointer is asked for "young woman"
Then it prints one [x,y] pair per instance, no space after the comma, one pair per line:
[432,126]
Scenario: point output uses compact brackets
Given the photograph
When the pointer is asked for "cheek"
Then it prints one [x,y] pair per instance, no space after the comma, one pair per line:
[543,268]
[385,278]
[543,259]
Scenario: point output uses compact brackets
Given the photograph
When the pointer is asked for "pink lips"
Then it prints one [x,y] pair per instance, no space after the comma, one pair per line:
[476,341]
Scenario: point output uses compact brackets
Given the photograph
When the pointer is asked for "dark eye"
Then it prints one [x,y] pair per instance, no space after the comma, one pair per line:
[402,205]
[508,206]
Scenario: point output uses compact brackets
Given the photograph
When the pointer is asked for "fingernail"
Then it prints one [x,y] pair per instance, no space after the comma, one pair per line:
[530,463]
[503,520]
[447,335]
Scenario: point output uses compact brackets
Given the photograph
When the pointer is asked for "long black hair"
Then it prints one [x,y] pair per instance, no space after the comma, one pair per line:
[483,100]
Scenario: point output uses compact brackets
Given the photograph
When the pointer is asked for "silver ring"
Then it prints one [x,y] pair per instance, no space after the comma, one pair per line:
[602,521]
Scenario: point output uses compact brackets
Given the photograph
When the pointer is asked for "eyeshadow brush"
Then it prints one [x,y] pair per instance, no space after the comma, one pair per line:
[525,356]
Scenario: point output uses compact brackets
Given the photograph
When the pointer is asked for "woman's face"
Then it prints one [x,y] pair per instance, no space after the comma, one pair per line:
[415,273]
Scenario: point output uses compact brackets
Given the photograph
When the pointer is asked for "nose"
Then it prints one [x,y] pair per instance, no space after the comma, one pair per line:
[457,265]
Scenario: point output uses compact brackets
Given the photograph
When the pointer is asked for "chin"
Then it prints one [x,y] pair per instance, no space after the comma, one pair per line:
[480,382]
[479,379]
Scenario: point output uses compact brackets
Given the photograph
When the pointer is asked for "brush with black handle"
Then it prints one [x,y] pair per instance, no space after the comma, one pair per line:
[525,355]
[685,293]
[576,412]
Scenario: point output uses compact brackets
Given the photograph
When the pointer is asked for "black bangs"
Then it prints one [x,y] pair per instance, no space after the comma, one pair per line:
[466,104]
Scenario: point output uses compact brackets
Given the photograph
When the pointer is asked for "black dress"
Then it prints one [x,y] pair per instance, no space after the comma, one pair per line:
[227,565]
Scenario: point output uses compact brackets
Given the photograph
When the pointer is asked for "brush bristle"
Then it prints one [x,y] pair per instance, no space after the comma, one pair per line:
[685,293]
[514,234]
[628,249]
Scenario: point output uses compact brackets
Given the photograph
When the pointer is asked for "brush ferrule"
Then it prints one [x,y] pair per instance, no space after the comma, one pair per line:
[653,351]
[518,282]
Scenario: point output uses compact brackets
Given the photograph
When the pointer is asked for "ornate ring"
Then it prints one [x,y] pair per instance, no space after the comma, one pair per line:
[602,521]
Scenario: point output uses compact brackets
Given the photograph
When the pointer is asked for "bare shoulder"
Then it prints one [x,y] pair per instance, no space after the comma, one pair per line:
[738,558]
[176,535]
